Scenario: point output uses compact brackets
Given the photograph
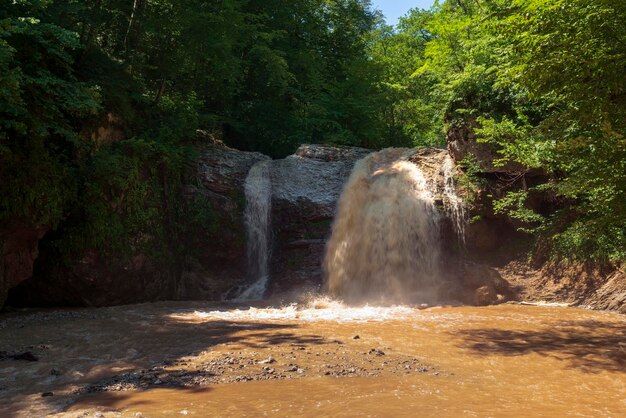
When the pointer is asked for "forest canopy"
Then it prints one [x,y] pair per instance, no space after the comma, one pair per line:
[542,81]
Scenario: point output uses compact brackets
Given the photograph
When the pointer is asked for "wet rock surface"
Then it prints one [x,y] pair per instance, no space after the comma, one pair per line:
[223,170]
[305,190]
[219,262]
[331,153]
[95,279]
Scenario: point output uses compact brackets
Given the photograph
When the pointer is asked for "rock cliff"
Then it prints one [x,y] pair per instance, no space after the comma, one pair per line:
[19,248]
[305,189]
[95,279]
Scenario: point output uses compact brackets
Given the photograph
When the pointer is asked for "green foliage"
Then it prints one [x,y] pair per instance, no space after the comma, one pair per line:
[471,180]
[39,99]
[514,204]
[264,76]
[514,141]
[411,111]
[541,81]
[581,139]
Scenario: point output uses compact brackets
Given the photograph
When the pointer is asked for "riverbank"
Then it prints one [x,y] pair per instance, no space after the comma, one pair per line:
[586,286]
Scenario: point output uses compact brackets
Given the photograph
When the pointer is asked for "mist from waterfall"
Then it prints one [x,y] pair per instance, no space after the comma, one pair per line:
[385,245]
[258,192]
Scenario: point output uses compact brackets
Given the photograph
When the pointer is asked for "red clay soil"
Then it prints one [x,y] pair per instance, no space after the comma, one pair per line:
[574,284]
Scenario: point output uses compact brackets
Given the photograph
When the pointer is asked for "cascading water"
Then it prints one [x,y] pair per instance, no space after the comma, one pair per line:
[258,191]
[455,207]
[385,241]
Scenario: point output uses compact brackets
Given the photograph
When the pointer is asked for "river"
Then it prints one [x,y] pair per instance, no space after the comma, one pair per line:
[320,359]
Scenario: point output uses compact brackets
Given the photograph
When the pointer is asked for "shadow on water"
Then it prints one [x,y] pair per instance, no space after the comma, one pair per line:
[101,347]
[591,346]
[111,400]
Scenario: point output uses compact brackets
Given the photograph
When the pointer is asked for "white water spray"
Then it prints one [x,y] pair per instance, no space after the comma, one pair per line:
[258,191]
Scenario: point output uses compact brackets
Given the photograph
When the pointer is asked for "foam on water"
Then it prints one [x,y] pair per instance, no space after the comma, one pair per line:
[320,309]
[255,291]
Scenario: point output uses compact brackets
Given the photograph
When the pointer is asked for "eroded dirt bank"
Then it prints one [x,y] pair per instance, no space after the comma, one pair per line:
[199,359]
[587,286]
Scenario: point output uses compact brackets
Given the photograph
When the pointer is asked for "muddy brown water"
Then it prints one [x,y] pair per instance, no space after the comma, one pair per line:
[177,359]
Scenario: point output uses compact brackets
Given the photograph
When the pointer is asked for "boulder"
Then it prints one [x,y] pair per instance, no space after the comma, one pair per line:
[481,285]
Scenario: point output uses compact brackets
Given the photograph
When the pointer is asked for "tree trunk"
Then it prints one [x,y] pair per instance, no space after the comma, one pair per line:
[160,92]
[133,14]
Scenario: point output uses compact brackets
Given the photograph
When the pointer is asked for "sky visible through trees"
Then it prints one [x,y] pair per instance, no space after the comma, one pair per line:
[394,9]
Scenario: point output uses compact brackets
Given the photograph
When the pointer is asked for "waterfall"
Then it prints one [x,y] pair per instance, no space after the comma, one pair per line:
[454,205]
[385,241]
[258,191]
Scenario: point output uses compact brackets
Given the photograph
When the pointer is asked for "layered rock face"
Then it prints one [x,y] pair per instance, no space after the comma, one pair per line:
[305,192]
[305,189]
[219,263]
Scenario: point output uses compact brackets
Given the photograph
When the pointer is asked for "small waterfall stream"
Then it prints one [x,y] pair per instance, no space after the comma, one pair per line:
[258,192]
[454,205]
